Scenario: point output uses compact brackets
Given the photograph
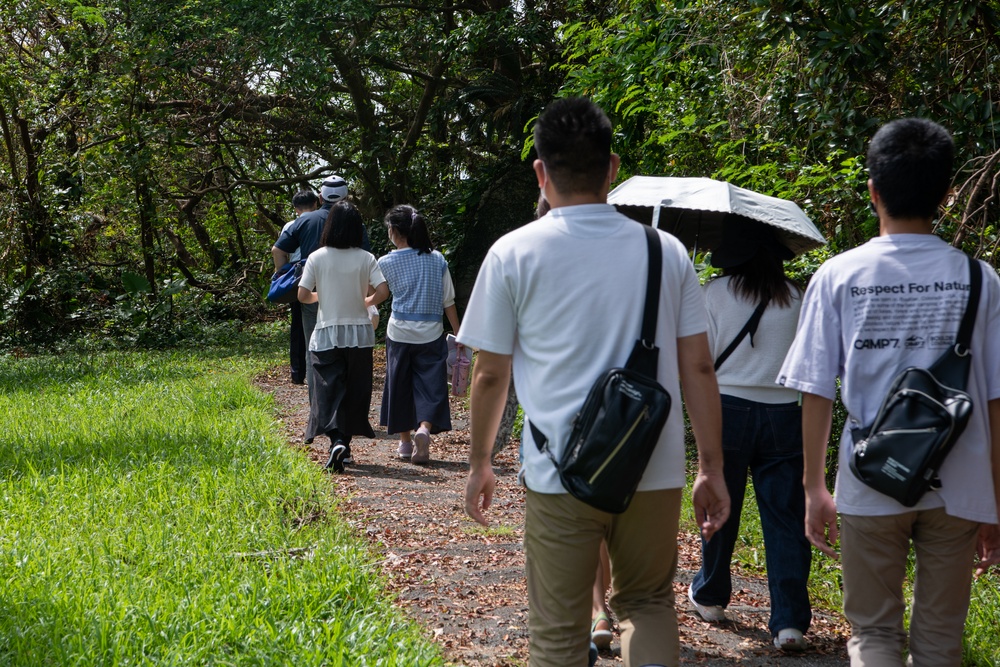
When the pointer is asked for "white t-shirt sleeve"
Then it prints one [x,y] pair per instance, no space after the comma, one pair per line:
[308,279]
[375,277]
[691,318]
[448,288]
[991,348]
[712,328]
[814,360]
[490,319]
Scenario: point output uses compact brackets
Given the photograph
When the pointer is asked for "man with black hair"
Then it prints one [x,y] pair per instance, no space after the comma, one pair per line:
[868,313]
[303,201]
[559,341]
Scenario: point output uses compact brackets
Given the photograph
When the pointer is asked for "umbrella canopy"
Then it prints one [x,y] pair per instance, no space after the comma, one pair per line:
[693,210]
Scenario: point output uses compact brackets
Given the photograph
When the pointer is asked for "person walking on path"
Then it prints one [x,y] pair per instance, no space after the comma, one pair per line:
[339,277]
[868,313]
[416,375]
[304,235]
[761,427]
[542,302]
[303,201]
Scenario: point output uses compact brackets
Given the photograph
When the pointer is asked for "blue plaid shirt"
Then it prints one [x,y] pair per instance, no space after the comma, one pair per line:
[415,281]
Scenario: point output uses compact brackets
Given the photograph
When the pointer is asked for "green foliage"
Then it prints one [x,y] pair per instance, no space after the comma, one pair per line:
[163,140]
[783,97]
[155,516]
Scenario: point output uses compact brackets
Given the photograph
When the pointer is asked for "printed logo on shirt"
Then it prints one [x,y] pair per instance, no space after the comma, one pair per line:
[909,288]
[941,341]
[914,342]
[875,343]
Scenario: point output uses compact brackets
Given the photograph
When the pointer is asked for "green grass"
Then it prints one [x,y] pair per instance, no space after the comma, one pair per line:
[982,627]
[151,514]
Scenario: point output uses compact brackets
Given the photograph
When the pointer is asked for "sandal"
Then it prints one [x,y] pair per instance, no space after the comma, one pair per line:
[601,637]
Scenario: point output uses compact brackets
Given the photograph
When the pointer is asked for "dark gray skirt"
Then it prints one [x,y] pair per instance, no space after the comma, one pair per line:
[416,386]
[341,393]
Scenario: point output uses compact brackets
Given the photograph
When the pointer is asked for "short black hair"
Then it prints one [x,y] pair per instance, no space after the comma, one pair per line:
[573,139]
[305,199]
[910,164]
[344,227]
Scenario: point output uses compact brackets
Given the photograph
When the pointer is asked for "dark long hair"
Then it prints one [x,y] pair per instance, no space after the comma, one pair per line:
[762,276]
[344,227]
[409,222]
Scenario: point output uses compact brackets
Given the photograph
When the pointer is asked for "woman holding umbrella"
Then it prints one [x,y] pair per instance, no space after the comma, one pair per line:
[753,310]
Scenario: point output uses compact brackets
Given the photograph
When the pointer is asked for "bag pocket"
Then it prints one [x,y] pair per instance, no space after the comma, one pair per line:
[613,438]
[914,430]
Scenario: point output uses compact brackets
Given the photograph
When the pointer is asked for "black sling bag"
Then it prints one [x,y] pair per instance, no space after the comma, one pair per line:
[616,430]
[921,417]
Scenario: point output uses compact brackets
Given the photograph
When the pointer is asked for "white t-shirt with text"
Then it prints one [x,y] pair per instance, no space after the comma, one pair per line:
[869,313]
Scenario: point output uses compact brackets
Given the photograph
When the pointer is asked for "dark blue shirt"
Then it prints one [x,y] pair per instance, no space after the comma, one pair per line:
[306,231]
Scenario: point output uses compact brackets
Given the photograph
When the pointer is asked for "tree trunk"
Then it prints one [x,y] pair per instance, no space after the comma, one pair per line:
[507,421]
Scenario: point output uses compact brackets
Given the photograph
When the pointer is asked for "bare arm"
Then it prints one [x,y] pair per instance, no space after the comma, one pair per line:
[452,313]
[490,377]
[380,294]
[701,398]
[821,512]
[279,256]
[305,296]
[988,545]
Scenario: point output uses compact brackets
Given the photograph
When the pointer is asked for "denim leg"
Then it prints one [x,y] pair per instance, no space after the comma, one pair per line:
[713,584]
[777,478]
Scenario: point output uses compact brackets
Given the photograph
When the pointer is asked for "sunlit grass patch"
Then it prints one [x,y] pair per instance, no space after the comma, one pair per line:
[494,531]
[151,514]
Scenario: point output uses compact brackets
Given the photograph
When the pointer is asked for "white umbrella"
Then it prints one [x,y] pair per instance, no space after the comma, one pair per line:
[692,209]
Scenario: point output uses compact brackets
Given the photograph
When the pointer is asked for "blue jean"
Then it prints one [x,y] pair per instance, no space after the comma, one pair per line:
[766,439]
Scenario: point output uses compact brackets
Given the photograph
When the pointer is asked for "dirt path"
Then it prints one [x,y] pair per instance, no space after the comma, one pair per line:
[466,584]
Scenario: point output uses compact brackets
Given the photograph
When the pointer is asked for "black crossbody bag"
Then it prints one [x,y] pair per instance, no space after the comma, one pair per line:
[921,417]
[616,430]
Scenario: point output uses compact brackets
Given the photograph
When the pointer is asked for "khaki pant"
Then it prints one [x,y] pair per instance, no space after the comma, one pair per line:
[562,537]
[874,550]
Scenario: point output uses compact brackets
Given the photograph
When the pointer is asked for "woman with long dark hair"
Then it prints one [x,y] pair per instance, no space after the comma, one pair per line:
[416,376]
[346,280]
[761,426]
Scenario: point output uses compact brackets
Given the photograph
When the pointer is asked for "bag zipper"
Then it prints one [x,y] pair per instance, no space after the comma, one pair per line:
[621,443]
[861,447]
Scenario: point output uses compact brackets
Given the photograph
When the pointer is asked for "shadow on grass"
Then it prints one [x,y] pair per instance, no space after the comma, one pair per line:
[122,411]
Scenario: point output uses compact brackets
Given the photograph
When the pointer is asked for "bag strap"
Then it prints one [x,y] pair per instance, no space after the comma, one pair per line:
[541,442]
[964,338]
[645,355]
[653,280]
[749,328]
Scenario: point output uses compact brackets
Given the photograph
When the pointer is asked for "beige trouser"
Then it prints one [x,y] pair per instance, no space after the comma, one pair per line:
[874,550]
[562,537]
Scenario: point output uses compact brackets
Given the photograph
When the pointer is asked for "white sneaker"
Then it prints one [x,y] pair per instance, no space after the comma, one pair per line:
[790,639]
[711,613]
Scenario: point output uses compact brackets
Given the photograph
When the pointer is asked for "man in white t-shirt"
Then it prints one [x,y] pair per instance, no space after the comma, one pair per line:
[562,298]
[896,302]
